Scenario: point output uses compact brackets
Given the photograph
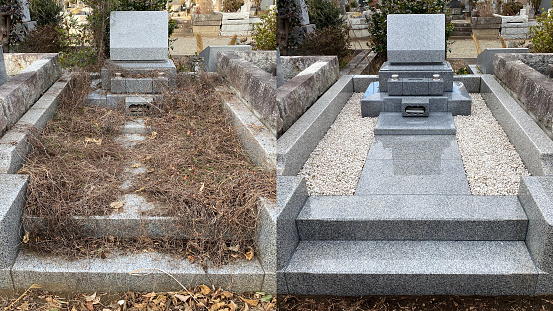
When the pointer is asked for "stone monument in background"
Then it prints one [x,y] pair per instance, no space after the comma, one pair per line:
[139,67]
[3,73]
[416,81]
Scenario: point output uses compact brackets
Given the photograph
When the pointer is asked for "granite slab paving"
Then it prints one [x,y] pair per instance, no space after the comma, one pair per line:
[413,164]
[394,147]
[355,268]
[412,217]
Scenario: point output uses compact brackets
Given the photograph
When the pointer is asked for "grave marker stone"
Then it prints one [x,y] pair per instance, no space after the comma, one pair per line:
[416,81]
[145,40]
[416,38]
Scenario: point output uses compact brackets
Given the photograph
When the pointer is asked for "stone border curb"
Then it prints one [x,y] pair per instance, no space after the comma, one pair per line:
[13,145]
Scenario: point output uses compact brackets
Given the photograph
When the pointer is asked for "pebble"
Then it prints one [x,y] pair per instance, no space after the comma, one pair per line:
[336,163]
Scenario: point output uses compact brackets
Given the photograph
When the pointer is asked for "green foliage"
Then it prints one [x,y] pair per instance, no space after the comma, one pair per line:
[46,12]
[327,41]
[541,35]
[380,11]
[325,13]
[264,33]
[15,13]
[99,19]
[13,8]
[511,8]
[288,12]
[462,71]
[232,5]
[68,39]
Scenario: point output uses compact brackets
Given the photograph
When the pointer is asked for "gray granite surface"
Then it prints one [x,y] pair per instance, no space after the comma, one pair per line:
[416,38]
[393,123]
[411,268]
[12,199]
[412,217]
[139,35]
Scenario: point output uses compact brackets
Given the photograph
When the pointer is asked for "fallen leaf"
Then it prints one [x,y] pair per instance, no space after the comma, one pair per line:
[232,306]
[154,135]
[204,289]
[249,254]
[90,298]
[117,204]
[26,237]
[217,306]
[267,298]
[90,306]
[251,302]
[191,258]
[182,297]
[227,294]
[93,140]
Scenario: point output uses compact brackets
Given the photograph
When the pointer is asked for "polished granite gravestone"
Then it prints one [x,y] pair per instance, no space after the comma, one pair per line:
[416,81]
[138,36]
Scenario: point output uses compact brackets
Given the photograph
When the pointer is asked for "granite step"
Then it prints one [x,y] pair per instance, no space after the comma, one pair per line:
[121,272]
[412,217]
[356,268]
[393,123]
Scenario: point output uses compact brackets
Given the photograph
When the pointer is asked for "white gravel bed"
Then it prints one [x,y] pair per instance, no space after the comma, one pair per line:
[492,165]
[336,163]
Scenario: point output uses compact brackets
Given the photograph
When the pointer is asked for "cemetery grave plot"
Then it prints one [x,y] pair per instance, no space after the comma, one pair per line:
[492,165]
[188,173]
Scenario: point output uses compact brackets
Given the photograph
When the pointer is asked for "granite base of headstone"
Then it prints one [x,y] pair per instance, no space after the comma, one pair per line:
[138,69]
[416,81]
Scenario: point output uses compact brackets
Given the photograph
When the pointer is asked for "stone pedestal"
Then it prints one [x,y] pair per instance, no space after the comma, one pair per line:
[138,64]
[416,81]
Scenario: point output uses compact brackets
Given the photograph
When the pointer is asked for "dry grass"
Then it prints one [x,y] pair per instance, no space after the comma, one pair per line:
[196,169]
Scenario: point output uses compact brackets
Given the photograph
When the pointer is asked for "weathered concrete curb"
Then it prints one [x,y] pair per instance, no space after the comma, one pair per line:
[256,86]
[257,140]
[13,145]
[528,85]
[297,143]
[297,94]
[533,145]
[23,89]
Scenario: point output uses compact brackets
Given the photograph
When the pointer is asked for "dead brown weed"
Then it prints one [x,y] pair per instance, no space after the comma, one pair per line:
[196,168]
